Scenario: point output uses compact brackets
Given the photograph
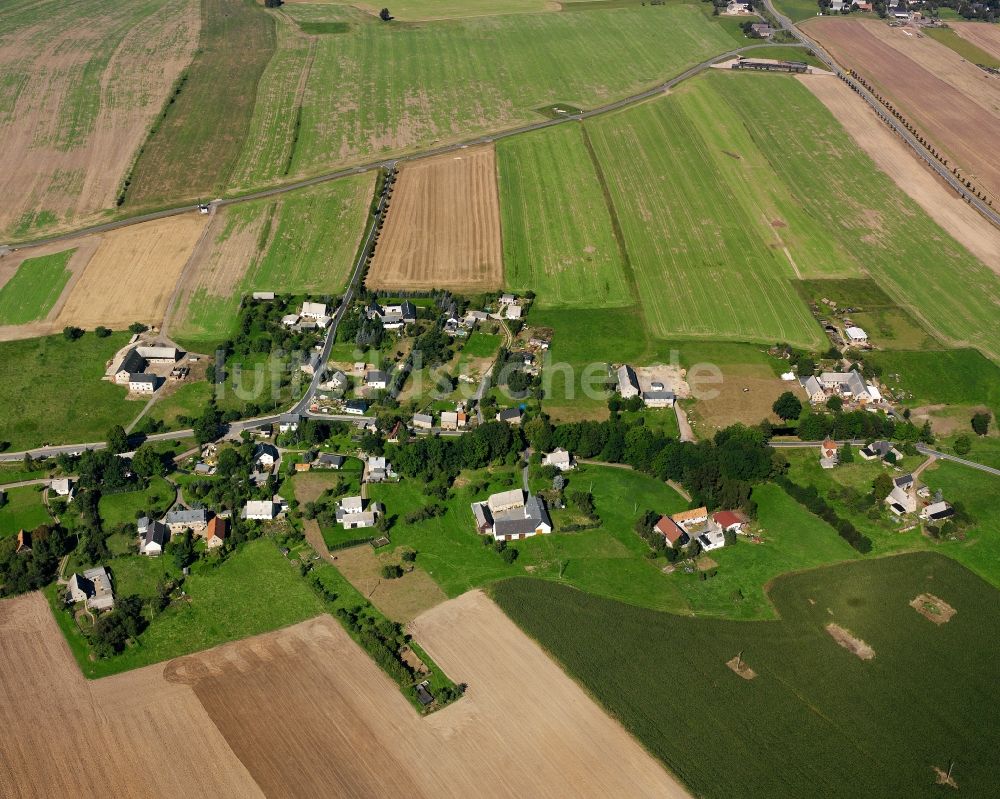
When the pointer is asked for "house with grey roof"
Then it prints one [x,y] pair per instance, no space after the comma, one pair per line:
[880,450]
[131,363]
[92,587]
[141,383]
[376,379]
[510,415]
[628,383]
[327,460]
[511,516]
[357,512]
[155,536]
[194,519]
[423,421]
[261,509]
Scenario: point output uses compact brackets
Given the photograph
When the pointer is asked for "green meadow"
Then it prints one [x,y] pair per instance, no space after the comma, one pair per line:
[486,73]
[951,377]
[126,507]
[56,388]
[970,52]
[36,285]
[22,509]
[805,724]
[568,255]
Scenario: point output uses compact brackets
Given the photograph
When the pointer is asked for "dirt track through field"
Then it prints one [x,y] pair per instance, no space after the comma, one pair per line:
[951,101]
[443,226]
[304,711]
[897,160]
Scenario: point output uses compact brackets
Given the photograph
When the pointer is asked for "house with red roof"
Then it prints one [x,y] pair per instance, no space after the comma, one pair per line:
[729,520]
[673,533]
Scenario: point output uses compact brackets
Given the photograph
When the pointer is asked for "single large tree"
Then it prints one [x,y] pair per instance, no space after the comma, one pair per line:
[981,423]
[787,406]
[117,439]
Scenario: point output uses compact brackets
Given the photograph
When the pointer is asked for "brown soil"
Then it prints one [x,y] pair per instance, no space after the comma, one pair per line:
[309,487]
[705,563]
[122,736]
[847,640]
[443,226]
[933,608]
[133,273]
[942,778]
[44,166]
[899,162]
[740,668]
[732,404]
[401,599]
[950,101]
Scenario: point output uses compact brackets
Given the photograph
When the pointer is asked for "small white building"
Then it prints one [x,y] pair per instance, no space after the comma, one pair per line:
[155,536]
[261,509]
[263,295]
[265,455]
[628,383]
[855,335]
[141,383]
[62,486]
[658,398]
[561,459]
[937,511]
[423,421]
[290,320]
[92,587]
[712,539]
[356,513]
[453,420]
[376,379]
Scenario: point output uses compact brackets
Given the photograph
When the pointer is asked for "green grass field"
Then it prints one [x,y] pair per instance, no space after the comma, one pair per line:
[797,10]
[118,509]
[805,725]
[696,205]
[188,400]
[708,208]
[195,147]
[30,294]
[442,9]
[487,73]
[963,47]
[953,377]
[254,591]
[23,509]
[569,258]
[305,243]
[53,391]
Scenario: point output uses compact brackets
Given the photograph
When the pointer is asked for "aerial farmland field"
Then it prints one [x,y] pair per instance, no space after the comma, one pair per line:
[487,73]
[443,226]
[568,256]
[951,101]
[80,84]
[812,705]
[30,294]
[296,243]
[196,143]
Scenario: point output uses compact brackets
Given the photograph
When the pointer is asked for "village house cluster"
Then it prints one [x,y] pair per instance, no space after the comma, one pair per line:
[131,367]
[655,396]
[849,386]
[512,515]
[696,524]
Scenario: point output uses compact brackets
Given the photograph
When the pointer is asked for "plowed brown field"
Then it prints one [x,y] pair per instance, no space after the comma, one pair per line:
[954,103]
[443,226]
[304,712]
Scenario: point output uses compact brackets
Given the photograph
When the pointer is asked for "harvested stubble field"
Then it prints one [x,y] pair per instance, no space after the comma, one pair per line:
[80,84]
[132,274]
[985,37]
[443,226]
[335,724]
[951,101]
[401,599]
[122,736]
[399,86]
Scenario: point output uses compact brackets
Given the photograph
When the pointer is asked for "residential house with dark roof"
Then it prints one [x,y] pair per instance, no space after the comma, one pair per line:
[154,538]
[511,516]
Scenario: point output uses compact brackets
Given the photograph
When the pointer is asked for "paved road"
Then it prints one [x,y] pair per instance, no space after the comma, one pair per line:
[40,481]
[925,450]
[69,449]
[380,164]
[942,171]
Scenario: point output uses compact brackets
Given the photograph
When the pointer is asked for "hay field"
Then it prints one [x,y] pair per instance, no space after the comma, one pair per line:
[951,101]
[716,223]
[80,85]
[897,161]
[443,226]
[133,273]
[419,10]
[124,736]
[302,242]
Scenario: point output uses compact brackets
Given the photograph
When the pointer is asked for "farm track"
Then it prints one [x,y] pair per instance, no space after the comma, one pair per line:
[382,163]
